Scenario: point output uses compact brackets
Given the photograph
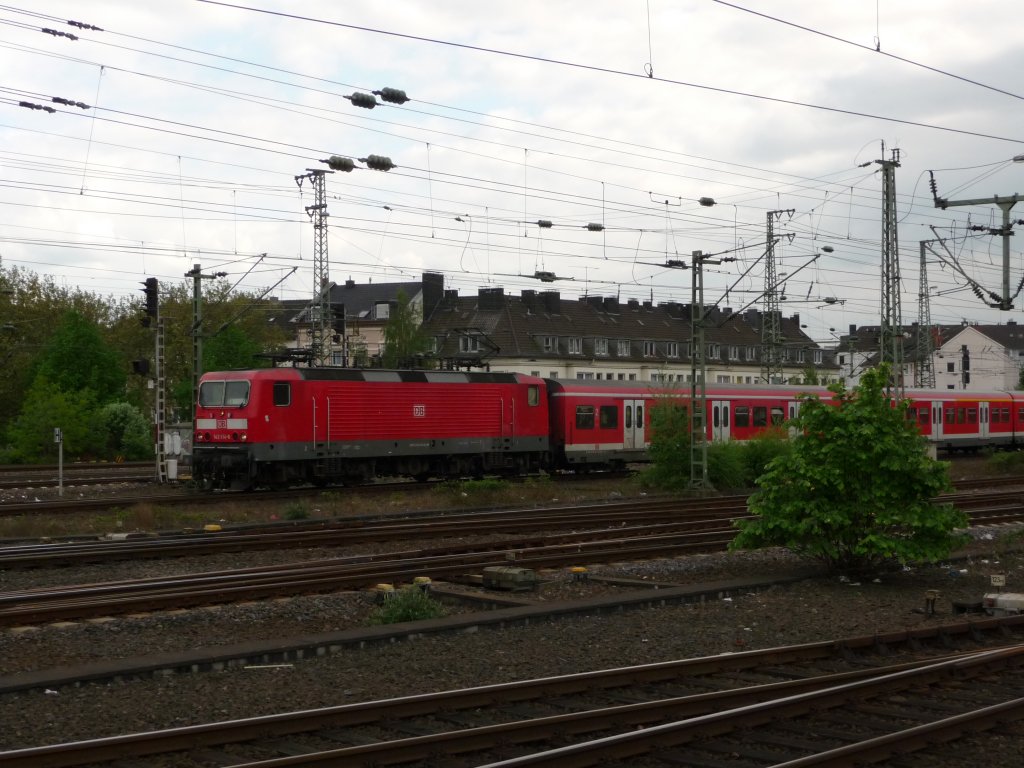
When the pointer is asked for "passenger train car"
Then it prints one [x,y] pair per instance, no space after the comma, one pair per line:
[285,426]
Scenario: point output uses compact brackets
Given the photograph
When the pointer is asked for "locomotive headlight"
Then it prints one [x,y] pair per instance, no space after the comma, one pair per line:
[234,436]
[244,437]
[206,436]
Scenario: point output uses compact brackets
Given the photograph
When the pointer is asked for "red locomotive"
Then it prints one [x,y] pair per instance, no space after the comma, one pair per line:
[285,426]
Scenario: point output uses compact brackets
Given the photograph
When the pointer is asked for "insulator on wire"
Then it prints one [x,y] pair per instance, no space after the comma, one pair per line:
[377,162]
[392,95]
[58,33]
[30,105]
[364,100]
[83,25]
[339,163]
[544,224]
[593,227]
[69,102]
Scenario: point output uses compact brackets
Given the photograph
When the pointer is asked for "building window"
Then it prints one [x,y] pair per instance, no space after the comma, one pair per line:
[672,348]
[842,359]
[734,352]
[714,350]
[817,356]
[751,354]
[549,343]
[469,344]
[784,355]
[554,375]
[632,377]
[650,348]
[723,379]
[575,345]
[950,367]
[801,356]
[600,346]
[622,377]
[622,348]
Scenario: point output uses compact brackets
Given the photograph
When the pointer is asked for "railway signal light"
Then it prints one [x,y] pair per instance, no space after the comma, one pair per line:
[141,367]
[152,291]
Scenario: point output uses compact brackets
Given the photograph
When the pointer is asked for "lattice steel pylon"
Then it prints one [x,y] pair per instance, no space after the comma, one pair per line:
[924,370]
[771,320]
[319,309]
[890,342]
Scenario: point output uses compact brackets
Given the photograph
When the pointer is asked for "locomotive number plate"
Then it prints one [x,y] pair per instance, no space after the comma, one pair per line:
[419,411]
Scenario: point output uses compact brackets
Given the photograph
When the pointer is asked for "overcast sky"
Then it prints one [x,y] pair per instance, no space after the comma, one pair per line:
[621,113]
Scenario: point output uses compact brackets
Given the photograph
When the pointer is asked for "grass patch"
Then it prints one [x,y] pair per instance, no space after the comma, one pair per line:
[409,604]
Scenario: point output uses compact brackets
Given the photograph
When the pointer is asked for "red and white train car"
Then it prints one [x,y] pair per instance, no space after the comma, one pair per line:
[598,423]
[282,426]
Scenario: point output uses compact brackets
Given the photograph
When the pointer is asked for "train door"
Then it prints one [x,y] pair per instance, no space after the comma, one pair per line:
[720,420]
[936,419]
[983,417]
[792,411]
[634,434]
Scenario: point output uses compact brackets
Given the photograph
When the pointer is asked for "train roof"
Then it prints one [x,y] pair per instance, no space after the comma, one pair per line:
[373,375]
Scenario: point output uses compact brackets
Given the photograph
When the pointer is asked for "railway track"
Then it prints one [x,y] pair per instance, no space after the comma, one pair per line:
[48,476]
[359,572]
[859,699]
[657,532]
[631,517]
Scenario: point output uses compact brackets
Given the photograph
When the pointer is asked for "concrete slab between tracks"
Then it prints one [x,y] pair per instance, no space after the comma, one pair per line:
[292,649]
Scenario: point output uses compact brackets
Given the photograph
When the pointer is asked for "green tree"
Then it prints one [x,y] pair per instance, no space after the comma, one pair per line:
[405,343]
[47,407]
[669,447]
[856,491]
[77,358]
[129,432]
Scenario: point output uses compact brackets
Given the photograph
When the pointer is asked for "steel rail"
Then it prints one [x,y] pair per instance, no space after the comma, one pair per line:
[633,744]
[642,714]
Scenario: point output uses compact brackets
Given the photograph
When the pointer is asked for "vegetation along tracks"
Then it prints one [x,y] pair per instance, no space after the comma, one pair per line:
[812,704]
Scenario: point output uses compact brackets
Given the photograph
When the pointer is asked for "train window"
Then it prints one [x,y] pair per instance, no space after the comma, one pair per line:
[629,416]
[961,416]
[236,393]
[584,417]
[778,415]
[211,394]
[741,416]
[714,416]
[1020,414]
[639,417]
[282,393]
[216,394]
[760,416]
[533,395]
[725,415]
[951,415]
[922,416]
[972,415]
[608,416]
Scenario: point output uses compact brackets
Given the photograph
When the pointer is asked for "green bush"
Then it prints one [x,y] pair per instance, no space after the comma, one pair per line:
[296,511]
[727,468]
[409,604]
[1006,462]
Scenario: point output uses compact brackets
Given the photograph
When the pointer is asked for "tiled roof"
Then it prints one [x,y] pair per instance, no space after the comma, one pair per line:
[527,325]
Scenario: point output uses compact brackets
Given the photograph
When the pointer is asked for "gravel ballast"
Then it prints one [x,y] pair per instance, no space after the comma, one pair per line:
[806,611]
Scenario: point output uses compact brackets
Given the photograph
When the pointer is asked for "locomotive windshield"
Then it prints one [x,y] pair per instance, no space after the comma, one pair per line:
[218,394]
